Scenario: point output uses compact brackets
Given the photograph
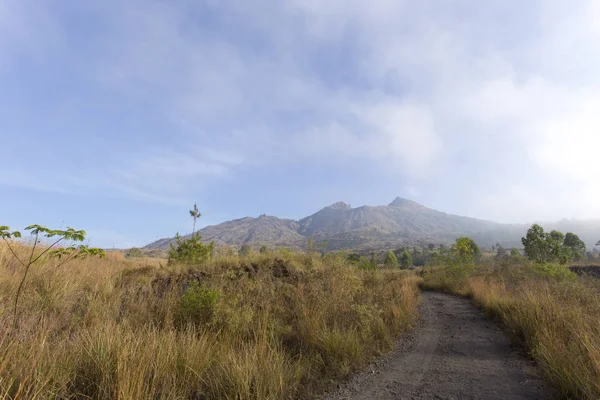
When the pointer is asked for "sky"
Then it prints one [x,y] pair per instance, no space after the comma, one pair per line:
[116,116]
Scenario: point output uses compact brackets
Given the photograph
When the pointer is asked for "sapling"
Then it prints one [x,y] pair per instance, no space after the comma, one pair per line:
[194,213]
[62,254]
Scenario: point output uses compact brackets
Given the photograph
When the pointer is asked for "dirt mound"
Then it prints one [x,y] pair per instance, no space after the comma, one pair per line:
[590,270]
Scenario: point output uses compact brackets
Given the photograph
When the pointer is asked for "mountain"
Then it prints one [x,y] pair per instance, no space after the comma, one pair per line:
[265,229]
[402,222]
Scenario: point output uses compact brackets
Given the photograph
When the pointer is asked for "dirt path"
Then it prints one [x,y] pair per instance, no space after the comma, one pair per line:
[454,353]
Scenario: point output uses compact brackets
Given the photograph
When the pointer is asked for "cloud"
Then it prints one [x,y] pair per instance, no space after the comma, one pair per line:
[453,96]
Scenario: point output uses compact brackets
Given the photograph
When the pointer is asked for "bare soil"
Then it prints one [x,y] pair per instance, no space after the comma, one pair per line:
[455,353]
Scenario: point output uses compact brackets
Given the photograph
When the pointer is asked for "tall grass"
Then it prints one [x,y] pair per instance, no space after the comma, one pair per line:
[551,311]
[262,327]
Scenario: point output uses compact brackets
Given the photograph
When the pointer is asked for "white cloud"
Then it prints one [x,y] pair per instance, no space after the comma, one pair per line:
[423,88]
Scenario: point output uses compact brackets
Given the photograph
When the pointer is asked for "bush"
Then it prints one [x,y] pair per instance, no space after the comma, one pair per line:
[134,252]
[196,306]
[554,271]
[190,251]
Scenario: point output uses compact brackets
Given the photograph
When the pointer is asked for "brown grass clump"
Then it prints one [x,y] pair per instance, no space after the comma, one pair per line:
[260,327]
[554,314]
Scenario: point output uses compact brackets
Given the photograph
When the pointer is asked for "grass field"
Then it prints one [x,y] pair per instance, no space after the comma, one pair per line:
[262,327]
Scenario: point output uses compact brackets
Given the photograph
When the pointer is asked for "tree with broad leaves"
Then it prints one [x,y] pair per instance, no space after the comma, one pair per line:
[575,245]
[63,254]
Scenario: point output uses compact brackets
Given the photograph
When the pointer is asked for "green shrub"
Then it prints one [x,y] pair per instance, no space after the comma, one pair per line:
[390,260]
[366,264]
[196,306]
[190,251]
[554,271]
[134,252]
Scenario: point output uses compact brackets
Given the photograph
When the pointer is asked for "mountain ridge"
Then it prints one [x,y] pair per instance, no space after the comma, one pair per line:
[402,222]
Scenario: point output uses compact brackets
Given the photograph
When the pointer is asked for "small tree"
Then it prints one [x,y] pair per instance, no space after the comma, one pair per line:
[536,244]
[391,261]
[542,247]
[405,259]
[190,251]
[195,214]
[460,261]
[63,254]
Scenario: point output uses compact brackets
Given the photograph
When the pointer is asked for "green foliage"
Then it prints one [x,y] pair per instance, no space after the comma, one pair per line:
[575,245]
[554,271]
[134,252]
[196,306]
[264,249]
[542,247]
[470,243]
[460,261]
[391,261]
[405,259]
[557,236]
[190,251]
[244,251]
[63,254]
[367,264]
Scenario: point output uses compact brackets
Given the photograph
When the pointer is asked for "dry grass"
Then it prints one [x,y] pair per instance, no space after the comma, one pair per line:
[263,327]
[556,318]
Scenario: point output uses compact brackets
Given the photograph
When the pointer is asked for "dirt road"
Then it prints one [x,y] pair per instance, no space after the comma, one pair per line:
[454,353]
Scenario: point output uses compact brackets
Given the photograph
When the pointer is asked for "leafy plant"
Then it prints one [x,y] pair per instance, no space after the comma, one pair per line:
[575,245]
[196,305]
[554,271]
[542,247]
[190,251]
[63,254]
[460,261]
[391,261]
[405,259]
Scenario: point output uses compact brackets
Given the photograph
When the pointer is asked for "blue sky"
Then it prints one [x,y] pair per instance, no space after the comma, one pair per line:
[116,116]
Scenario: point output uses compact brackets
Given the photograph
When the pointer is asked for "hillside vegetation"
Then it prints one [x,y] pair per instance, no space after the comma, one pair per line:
[271,326]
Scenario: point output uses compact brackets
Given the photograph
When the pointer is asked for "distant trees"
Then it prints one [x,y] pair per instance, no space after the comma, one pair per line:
[391,261]
[542,247]
[264,249]
[406,259]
